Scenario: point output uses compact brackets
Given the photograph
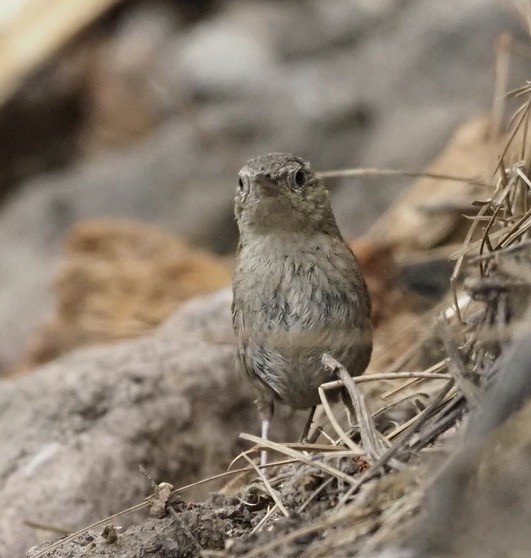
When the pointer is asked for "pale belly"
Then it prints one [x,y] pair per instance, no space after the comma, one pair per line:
[295,307]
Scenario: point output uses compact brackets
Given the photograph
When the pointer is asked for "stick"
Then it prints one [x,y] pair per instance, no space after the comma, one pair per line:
[369,434]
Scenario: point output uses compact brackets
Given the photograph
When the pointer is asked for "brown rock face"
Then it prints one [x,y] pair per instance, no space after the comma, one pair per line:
[118,280]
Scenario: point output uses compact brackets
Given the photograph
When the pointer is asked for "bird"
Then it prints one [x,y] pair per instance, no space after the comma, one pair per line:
[298,291]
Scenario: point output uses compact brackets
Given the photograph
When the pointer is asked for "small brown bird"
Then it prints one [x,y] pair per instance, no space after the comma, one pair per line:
[298,291]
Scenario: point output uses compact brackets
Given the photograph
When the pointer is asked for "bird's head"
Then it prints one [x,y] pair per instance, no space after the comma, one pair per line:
[279,192]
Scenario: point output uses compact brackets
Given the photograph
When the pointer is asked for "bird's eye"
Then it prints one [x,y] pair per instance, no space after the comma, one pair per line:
[299,178]
[240,184]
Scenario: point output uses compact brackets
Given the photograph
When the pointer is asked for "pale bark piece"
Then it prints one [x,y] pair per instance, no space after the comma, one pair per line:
[32,30]
[428,213]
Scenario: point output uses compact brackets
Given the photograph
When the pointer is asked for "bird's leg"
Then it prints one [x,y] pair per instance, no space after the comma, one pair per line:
[267,409]
[307,426]
[265,431]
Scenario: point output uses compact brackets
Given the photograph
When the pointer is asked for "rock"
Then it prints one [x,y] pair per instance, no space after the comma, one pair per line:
[430,278]
[332,24]
[119,280]
[73,433]
[232,53]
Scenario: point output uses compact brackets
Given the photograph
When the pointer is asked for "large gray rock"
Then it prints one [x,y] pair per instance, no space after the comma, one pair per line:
[73,434]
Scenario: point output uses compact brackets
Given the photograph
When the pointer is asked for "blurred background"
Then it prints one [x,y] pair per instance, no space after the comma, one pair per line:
[140,112]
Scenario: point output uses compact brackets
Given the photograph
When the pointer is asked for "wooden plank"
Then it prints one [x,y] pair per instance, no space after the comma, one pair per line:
[31,31]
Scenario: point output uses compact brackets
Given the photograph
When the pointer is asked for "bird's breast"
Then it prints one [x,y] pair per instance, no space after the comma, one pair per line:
[296,283]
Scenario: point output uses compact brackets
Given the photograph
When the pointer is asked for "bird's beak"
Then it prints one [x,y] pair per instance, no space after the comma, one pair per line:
[266,184]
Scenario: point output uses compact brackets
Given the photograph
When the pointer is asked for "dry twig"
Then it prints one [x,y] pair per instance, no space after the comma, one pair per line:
[369,436]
